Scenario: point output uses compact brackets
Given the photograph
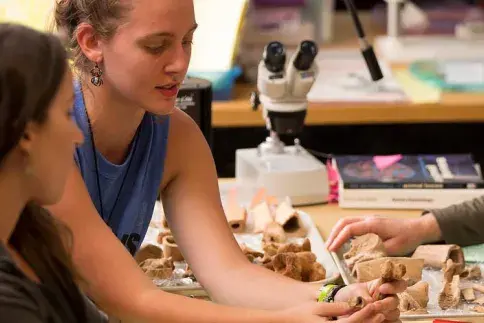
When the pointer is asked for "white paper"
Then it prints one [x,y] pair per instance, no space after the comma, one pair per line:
[463,72]
[344,76]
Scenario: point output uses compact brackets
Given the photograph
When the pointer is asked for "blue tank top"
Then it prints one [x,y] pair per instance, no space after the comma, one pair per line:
[130,218]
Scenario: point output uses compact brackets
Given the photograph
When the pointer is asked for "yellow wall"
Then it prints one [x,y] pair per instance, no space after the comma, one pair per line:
[33,13]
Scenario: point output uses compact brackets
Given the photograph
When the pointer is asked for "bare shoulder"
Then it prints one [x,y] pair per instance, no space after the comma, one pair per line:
[185,142]
[182,124]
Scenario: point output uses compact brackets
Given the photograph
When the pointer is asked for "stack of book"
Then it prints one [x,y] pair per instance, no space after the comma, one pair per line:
[407,182]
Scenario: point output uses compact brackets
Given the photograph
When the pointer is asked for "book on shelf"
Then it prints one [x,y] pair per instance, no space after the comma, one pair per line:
[407,181]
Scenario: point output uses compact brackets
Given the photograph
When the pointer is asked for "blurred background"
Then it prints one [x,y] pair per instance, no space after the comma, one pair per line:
[430,100]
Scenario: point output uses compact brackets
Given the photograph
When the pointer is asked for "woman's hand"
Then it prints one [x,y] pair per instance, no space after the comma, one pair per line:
[388,306]
[322,312]
[400,236]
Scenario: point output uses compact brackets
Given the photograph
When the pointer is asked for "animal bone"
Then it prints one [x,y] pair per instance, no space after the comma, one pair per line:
[288,264]
[361,258]
[273,248]
[170,249]
[250,253]
[261,196]
[262,217]
[270,249]
[449,297]
[370,270]
[364,248]
[274,233]
[471,272]
[415,299]
[478,287]
[450,270]
[310,269]
[317,273]
[436,256]
[306,260]
[468,294]
[390,271]
[161,235]
[236,215]
[147,252]
[479,300]
[478,309]
[367,242]
[356,302]
[299,266]
[158,268]
[420,292]
[293,247]
[289,220]
[306,245]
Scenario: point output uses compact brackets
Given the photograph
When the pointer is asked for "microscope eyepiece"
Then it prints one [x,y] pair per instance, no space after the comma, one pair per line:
[306,54]
[275,57]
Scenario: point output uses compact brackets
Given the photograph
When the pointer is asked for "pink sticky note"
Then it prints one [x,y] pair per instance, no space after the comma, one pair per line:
[383,162]
[333,182]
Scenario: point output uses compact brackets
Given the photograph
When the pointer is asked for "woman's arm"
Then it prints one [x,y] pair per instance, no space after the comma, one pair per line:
[114,280]
[462,223]
[193,209]
[459,224]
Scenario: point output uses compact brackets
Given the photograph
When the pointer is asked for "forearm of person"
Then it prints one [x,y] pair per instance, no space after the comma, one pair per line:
[462,223]
[193,209]
[114,281]
[120,288]
[173,308]
[257,287]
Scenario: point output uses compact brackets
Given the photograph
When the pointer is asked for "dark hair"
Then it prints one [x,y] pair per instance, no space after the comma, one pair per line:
[103,15]
[32,67]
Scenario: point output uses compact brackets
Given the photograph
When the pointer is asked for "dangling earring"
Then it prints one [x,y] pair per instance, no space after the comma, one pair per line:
[96,76]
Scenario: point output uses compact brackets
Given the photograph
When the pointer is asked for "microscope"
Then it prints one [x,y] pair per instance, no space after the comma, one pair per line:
[284,171]
[291,171]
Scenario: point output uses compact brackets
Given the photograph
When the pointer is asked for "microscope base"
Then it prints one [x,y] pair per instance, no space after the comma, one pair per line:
[295,173]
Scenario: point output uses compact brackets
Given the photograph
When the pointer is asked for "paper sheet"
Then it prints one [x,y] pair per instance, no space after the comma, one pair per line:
[344,76]
[462,72]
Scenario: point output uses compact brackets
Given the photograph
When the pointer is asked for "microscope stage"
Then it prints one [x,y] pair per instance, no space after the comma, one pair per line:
[295,174]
